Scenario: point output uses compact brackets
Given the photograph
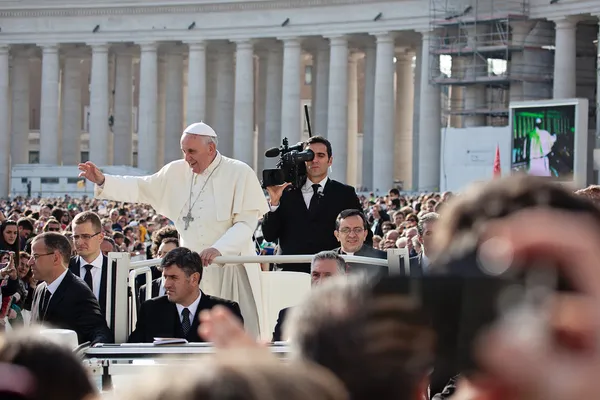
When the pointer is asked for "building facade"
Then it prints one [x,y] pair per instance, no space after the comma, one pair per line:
[117,82]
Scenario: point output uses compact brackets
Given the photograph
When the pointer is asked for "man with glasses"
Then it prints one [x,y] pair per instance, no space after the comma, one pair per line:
[90,264]
[351,231]
[62,299]
[52,225]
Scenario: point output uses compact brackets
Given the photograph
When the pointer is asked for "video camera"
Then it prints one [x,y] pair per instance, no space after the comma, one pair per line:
[291,166]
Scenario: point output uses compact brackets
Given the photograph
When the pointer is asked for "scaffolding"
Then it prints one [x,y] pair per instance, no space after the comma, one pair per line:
[480,61]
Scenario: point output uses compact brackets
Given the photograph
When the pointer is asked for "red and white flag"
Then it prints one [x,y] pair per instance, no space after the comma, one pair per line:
[497,170]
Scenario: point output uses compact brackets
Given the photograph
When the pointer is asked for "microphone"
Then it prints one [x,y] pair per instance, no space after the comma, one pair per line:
[272,152]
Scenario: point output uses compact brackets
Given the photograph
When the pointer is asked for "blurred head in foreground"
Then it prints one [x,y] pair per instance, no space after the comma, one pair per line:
[54,372]
[239,375]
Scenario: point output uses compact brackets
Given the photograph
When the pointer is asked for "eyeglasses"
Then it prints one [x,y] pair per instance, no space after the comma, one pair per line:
[85,236]
[356,231]
[53,229]
[37,256]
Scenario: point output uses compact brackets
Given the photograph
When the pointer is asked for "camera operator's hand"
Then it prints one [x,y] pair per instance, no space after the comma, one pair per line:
[275,193]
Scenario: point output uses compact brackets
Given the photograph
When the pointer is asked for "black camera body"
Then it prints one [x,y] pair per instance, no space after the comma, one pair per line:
[291,166]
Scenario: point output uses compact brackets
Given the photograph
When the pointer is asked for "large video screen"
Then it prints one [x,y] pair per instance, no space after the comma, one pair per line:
[543,141]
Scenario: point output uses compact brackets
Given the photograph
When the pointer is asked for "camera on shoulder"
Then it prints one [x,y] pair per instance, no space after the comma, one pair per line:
[291,166]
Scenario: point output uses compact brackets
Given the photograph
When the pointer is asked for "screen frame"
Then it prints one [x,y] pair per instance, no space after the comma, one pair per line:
[581,155]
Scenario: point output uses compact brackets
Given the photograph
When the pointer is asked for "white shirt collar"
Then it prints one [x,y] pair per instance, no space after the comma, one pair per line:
[308,185]
[54,285]
[192,307]
[424,261]
[96,263]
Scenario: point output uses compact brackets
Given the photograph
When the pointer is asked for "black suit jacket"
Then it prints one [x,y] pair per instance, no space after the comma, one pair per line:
[75,268]
[158,317]
[300,231]
[370,270]
[279,325]
[416,268]
[155,291]
[73,306]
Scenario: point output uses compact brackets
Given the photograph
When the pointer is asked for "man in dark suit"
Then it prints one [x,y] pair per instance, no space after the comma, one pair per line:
[324,265]
[90,264]
[158,288]
[302,220]
[63,300]
[176,314]
[419,265]
[351,231]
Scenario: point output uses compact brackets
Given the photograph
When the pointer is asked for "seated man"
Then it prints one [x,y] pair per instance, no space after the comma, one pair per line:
[324,265]
[351,229]
[176,314]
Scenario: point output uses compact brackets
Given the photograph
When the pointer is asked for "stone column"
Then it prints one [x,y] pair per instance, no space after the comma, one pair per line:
[429,122]
[243,131]
[5,164]
[19,133]
[383,124]
[313,87]
[161,106]
[352,170]
[417,117]
[565,59]
[337,118]
[147,114]
[174,105]
[322,90]
[368,116]
[597,88]
[290,97]
[261,98]
[224,107]
[273,102]
[196,92]
[403,144]
[71,111]
[211,87]
[49,139]
[99,105]
[123,127]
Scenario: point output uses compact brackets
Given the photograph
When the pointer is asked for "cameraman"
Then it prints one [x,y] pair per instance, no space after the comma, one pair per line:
[303,220]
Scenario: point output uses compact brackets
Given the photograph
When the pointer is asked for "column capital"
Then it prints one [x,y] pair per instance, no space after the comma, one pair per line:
[99,47]
[354,56]
[566,22]
[148,46]
[4,49]
[49,47]
[196,45]
[337,40]
[244,43]
[383,37]
[290,41]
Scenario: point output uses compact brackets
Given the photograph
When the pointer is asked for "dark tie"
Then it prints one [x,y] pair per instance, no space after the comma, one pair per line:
[314,200]
[88,276]
[44,302]
[185,321]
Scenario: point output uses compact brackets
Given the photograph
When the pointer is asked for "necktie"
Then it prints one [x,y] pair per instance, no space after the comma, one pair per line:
[314,200]
[44,302]
[88,276]
[185,321]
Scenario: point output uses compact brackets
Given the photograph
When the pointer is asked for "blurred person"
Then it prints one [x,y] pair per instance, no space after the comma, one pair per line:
[241,375]
[176,314]
[158,284]
[351,231]
[216,217]
[387,226]
[56,372]
[324,265]
[302,220]
[416,245]
[9,237]
[419,264]
[592,192]
[377,241]
[64,300]
[398,218]
[108,245]
[377,218]
[52,225]
[26,229]
[389,241]
[411,220]
[107,226]
[90,264]
[411,233]
[119,239]
[401,243]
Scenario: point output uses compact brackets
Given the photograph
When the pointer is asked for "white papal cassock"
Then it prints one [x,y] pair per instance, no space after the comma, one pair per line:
[225,214]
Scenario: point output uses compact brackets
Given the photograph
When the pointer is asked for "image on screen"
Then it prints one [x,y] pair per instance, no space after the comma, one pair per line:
[543,141]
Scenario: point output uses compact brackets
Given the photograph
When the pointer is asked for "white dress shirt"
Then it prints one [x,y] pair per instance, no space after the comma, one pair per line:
[161,289]
[54,285]
[96,272]
[424,262]
[307,192]
[192,307]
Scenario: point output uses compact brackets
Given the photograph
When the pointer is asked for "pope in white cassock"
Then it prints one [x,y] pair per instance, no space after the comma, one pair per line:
[215,203]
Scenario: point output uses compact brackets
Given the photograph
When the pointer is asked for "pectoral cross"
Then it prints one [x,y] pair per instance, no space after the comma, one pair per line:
[187,219]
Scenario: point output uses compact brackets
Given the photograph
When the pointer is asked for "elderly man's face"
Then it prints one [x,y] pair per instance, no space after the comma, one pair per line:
[323,269]
[198,152]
